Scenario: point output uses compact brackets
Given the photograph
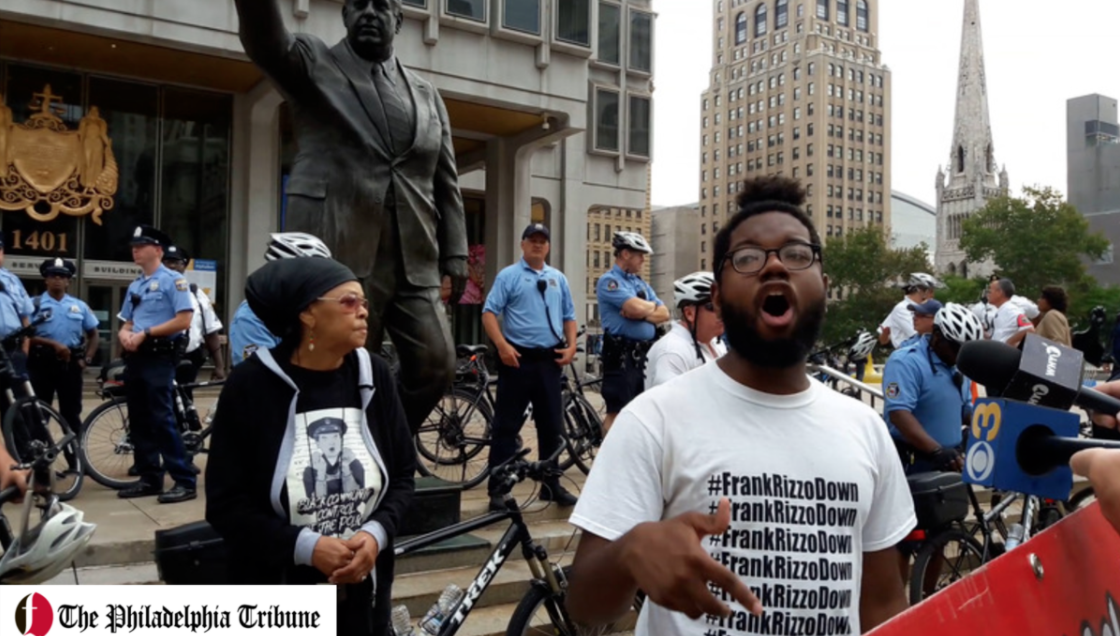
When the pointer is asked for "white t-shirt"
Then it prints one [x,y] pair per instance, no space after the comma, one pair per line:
[675,354]
[814,482]
[202,320]
[901,323]
[1026,305]
[1009,321]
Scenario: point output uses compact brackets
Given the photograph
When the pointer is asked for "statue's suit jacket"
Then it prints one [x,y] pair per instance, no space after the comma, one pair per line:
[345,168]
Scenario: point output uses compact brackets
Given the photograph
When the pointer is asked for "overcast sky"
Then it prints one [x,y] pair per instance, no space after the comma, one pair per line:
[1038,54]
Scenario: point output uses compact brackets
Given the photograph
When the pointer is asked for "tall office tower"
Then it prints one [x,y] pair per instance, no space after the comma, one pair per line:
[1093,173]
[797,88]
[972,177]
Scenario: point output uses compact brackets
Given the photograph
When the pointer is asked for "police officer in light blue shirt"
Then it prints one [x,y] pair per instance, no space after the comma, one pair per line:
[64,343]
[247,332]
[156,314]
[630,312]
[927,400]
[536,339]
[15,311]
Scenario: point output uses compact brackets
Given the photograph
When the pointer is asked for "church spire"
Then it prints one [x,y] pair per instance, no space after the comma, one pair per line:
[972,177]
[973,152]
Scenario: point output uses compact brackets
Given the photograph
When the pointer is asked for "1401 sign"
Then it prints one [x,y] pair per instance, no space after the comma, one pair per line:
[41,241]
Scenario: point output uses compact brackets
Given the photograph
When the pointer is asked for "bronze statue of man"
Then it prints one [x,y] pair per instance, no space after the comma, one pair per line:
[374,178]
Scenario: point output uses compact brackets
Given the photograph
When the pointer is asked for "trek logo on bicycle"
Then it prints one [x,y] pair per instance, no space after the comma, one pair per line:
[997,425]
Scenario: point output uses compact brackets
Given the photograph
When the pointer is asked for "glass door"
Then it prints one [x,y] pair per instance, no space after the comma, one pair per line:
[104,299]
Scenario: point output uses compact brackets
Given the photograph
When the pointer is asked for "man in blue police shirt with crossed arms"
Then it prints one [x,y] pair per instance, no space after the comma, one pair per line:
[630,312]
[156,313]
[15,310]
[536,305]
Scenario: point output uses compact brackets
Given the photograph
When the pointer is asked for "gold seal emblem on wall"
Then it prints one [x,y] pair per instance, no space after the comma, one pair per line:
[47,169]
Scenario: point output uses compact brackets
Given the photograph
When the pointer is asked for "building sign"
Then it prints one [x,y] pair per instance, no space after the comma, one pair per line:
[110,270]
[204,273]
[47,170]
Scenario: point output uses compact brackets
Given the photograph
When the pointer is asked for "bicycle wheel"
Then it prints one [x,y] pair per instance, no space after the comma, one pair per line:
[107,453]
[554,621]
[32,423]
[583,433]
[945,558]
[450,442]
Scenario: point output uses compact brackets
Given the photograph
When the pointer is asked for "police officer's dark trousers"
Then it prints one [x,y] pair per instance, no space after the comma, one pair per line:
[51,376]
[152,426]
[537,380]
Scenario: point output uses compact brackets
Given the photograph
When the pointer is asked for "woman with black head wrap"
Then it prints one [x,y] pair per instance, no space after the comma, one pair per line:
[311,463]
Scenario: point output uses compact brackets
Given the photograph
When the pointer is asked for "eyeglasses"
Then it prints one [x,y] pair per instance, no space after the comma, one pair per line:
[708,306]
[795,257]
[349,302]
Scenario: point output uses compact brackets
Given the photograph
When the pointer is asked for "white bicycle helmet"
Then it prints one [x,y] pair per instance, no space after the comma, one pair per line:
[921,279]
[696,288]
[41,553]
[862,347]
[631,241]
[295,245]
[958,323]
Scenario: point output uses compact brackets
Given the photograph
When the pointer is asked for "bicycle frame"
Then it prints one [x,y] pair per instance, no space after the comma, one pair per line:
[517,534]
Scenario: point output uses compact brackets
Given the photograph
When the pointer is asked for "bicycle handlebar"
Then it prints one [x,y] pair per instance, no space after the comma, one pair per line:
[8,494]
[28,331]
[515,470]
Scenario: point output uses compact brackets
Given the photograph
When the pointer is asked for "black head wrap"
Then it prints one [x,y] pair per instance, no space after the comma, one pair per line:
[282,289]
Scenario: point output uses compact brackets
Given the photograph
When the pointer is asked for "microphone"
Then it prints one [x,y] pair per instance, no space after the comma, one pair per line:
[1045,373]
[1024,448]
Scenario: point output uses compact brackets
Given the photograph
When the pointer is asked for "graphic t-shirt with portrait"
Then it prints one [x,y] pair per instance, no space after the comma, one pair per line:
[332,479]
[813,479]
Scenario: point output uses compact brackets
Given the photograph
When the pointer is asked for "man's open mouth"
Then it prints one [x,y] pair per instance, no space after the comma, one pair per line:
[777,311]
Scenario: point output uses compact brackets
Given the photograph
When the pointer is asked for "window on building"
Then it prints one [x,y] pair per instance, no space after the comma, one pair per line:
[640,126]
[809,166]
[607,118]
[522,15]
[861,16]
[760,20]
[641,41]
[741,28]
[470,9]
[822,9]
[573,22]
[610,25]
[842,12]
[781,14]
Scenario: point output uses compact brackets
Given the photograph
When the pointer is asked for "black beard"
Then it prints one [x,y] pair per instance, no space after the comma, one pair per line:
[782,353]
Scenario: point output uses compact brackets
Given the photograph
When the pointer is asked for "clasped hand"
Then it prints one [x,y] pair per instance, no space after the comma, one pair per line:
[345,562]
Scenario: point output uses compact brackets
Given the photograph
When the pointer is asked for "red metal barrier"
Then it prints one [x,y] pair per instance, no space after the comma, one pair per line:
[1062,582]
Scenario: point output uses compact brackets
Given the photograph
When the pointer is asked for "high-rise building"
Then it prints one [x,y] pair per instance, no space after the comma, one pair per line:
[676,247]
[1093,172]
[798,88]
[972,177]
[602,223]
[913,223]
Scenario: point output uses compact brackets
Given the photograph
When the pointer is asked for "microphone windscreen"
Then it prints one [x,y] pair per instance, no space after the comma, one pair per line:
[989,363]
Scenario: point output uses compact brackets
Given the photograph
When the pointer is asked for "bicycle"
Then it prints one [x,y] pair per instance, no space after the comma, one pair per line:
[449,444]
[946,540]
[43,453]
[29,421]
[549,583]
[105,446]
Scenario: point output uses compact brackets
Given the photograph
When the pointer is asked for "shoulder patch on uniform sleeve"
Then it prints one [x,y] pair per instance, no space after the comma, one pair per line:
[612,284]
[181,284]
[893,391]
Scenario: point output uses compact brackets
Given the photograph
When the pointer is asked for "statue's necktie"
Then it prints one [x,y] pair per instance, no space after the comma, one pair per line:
[397,111]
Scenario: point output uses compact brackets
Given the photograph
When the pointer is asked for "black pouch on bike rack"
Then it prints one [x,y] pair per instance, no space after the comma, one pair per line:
[191,554]
[939,498]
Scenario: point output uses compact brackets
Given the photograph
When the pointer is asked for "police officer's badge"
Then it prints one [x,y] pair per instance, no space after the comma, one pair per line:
[182,285]
[74,309]
[552,282]
[893,390]
[154,286]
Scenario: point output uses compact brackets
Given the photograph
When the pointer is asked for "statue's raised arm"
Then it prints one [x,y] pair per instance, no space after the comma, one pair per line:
[266,40]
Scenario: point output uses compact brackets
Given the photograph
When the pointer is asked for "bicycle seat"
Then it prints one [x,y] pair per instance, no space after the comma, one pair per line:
[113,372]
[465,351]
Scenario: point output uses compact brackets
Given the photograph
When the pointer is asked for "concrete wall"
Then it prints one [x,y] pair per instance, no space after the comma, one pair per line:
[1093,174]
[676,246]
